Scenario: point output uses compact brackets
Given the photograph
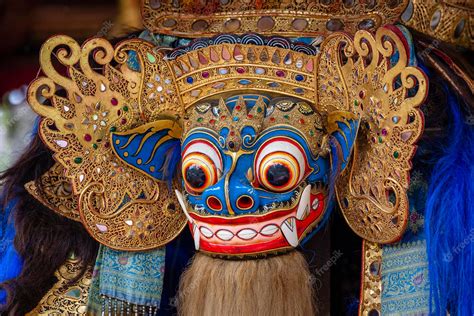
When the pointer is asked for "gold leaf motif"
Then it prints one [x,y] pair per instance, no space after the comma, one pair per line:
[362,79]
[55,192]
[107,90]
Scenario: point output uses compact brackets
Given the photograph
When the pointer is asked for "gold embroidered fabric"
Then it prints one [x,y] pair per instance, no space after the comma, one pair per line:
[66,298]
[371,288]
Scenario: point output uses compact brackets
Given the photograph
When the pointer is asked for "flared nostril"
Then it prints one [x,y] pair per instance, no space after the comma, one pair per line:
[214,204]
[245,202]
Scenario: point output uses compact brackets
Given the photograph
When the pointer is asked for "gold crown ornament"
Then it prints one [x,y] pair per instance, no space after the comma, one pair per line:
[297,18]
[451,21]
[446,20]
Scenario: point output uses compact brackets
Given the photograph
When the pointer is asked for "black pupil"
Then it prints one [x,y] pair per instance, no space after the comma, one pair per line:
[195,176]
[278,175]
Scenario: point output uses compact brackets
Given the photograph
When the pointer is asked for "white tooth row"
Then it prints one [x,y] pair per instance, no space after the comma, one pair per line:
[288,227]
[245,234]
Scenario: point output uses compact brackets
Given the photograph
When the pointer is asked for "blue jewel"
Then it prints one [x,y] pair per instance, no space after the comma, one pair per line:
[299,77]
[189,80]
[245,81]
[235,118]
[299,90]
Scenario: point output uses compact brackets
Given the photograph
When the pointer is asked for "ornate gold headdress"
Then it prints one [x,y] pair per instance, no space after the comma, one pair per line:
[105,94]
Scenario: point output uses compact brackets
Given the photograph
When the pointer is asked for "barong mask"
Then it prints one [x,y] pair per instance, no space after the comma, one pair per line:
[253,133]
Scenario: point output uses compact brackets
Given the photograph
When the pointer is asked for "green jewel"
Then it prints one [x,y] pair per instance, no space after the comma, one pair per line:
[78,160]
[396,154]
[151,58]
[113,129]
[94,146]
[125,108]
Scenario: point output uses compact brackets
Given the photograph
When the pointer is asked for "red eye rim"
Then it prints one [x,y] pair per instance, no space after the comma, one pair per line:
[206,155]
[206,165]
[214,154]
[287,147]
[281,158]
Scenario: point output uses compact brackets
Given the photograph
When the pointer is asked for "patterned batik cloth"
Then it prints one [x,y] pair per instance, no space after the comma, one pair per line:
[405,278]
[405,274]
[135,278]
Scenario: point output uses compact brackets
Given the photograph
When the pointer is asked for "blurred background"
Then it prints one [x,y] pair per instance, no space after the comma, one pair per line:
[24,26]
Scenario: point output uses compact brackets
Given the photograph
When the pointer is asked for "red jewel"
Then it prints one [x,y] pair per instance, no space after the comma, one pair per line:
[280,73]
[123,121]
[249,116]
[301,121]
[114,101]
[272,119]
[232,133]
[238,107]
[361,94]
[107,145]
[212,121]
[223,117]
[205,74]
[87,138]
[240,70]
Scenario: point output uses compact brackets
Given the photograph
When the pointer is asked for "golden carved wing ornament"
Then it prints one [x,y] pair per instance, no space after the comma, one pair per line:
[87,94]
[370,77]
[69,294]
[54,190]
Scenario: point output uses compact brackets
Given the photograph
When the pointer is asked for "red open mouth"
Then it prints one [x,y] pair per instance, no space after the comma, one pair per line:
[256,234]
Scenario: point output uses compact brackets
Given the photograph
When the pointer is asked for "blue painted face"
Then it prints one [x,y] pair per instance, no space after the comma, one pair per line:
[259,177]
[256,172]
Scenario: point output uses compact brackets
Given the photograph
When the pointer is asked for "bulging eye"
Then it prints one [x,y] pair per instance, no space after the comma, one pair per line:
[280,165]
[279,172]
[201,167]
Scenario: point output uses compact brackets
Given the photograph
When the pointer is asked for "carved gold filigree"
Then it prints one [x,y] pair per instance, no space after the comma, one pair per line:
[66,298]
[54,191]
[451,21]
[101,94]
[115,90]
[221,68]
[370,77]
[286,18]
[371,287]
[215,115]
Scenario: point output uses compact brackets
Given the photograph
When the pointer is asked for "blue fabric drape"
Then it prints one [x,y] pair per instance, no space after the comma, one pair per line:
[10,261]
